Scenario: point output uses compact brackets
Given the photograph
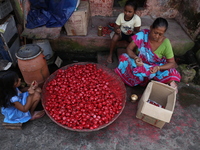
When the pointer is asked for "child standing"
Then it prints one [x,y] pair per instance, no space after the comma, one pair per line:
[127,24]
[17,106]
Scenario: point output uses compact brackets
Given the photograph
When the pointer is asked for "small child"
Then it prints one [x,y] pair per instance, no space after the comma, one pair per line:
[17,106]
[127,24]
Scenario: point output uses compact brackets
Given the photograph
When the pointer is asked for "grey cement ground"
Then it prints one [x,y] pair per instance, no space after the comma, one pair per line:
[126,133]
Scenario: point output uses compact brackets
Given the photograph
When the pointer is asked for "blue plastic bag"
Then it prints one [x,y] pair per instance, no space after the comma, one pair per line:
[50,13]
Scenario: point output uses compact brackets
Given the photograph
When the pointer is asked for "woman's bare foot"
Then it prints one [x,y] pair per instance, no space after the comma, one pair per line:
[174,85]
[37,114]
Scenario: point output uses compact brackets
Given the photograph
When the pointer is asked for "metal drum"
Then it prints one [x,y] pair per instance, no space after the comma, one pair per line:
[46,47]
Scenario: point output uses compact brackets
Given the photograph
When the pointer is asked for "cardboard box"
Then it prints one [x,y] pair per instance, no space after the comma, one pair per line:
[77,24]
[162,94]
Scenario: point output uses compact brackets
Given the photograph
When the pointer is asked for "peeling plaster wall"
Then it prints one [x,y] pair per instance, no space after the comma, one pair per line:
[163,8]
[189,17]
[155,8]
[101,7]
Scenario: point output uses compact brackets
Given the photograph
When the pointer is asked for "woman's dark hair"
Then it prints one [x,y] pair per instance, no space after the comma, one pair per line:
[131,3]
[160,22]
[7,89]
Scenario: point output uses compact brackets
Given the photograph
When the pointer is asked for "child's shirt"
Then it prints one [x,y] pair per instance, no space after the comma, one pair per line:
[128,25]
[12,114]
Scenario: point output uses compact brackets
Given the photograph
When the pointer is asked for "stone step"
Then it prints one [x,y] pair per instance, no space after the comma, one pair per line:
[180,41]
[102,57]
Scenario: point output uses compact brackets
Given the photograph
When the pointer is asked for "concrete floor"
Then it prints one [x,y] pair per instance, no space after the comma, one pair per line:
[125,133]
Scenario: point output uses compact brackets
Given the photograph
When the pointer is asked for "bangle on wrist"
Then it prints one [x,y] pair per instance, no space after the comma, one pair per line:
[136,57]
[158,68]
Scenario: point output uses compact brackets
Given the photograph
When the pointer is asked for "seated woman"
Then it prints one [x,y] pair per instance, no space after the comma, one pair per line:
[149,56]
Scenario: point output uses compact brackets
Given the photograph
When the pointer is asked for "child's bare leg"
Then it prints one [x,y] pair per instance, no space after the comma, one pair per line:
[115,38]
[35,100]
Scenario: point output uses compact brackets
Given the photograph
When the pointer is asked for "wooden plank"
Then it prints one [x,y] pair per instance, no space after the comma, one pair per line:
[16,126]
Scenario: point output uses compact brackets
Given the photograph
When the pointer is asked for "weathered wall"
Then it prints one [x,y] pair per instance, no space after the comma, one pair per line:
[189,17]
[186,12]
[101,7]
[161,8]
[164,8]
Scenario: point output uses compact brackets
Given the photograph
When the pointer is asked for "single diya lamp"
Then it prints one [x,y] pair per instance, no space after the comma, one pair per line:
[134,98]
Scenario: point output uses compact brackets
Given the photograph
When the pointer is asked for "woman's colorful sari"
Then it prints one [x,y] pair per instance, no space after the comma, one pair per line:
[133,75]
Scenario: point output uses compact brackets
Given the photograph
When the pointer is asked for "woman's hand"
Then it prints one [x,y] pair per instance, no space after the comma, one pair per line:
[170,64]
[154,69]
[130,48]
[138,61]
